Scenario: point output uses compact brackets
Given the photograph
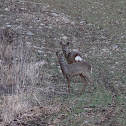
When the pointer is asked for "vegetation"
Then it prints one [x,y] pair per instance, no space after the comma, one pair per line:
[33,90]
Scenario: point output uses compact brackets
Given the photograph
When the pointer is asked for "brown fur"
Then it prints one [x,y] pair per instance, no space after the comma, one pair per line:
[83,69]
[70,55]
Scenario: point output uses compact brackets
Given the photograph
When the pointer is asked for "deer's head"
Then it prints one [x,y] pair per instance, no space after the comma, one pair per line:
[65,47]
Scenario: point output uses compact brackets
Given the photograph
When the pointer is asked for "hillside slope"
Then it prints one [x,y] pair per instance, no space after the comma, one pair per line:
[33,90]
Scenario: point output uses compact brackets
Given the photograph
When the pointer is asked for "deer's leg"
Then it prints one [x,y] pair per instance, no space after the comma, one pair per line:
[68,82]
[90,80]
[84,82]
[75,80]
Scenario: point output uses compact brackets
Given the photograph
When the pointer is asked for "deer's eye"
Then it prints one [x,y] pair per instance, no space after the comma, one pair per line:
[64,51]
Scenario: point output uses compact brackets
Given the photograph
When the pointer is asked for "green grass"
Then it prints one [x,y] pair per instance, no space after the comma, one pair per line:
[74,106]
[107,19]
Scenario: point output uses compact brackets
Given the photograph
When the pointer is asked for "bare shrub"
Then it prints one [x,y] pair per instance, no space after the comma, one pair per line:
[17,71]
[7,36]
[13,107]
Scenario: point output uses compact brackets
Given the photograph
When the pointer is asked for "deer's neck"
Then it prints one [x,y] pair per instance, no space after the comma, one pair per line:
[66,53]
[63,66]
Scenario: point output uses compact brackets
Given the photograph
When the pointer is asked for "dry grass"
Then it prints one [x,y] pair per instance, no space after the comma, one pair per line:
[13,107]
[17,73]
[20,81]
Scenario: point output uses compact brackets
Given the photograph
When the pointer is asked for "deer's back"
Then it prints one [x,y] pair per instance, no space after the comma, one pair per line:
[79,67]
[71,56]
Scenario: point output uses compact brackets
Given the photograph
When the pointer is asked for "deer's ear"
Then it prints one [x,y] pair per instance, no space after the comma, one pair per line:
[61,43]
[68,43]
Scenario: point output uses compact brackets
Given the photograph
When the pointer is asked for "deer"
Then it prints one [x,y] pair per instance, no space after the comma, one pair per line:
[82,69]
[71,55]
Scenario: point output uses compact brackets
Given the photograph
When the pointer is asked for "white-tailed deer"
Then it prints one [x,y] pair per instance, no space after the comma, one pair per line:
[82,68]
[71,55]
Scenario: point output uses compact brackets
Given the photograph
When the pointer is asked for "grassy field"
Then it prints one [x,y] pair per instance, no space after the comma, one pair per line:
[97,29]
[107,15]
